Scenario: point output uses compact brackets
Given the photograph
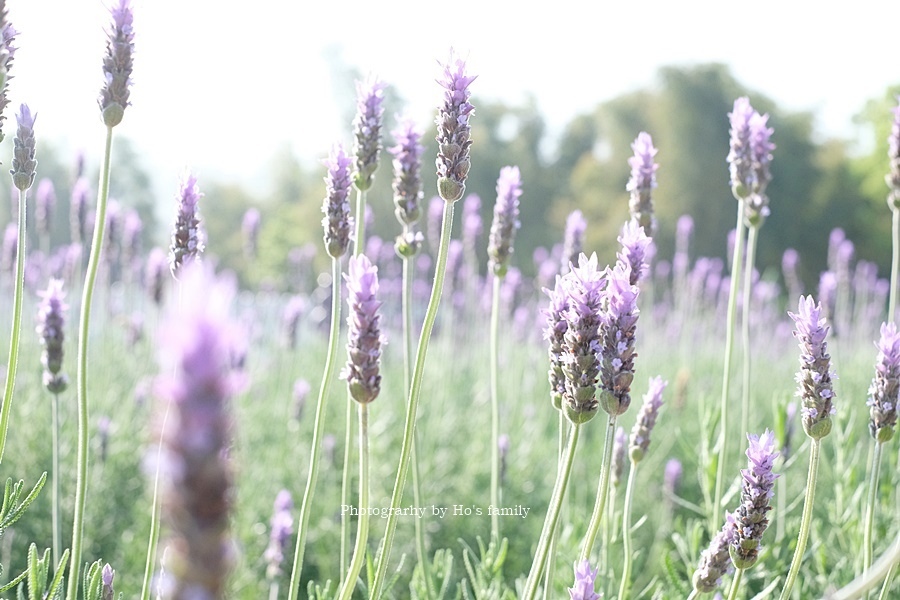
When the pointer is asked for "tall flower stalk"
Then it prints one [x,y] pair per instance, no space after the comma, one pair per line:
[338,225]
[452,163]
[893,200]
[715,561]
[642,183]
[815,390]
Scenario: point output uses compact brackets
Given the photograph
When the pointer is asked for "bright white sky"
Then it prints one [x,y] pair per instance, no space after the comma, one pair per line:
[219,86]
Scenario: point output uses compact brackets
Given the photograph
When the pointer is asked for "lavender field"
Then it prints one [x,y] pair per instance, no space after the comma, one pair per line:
[425,418]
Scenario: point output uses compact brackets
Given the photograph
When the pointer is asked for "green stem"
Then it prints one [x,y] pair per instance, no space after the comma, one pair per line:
[722,444]
[694,595]
[745,327]
[870,506]
[735,584]
[319,421]
[626,532]
[16,327]
[805,520]
[495,408]
[87,295]
[888,581]
[551,560]
[895,264]
[54,517]
[362,532]
[556,501]
[413,404]
[602,489]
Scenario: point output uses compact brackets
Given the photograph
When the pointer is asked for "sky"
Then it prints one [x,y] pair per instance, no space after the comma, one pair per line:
[220,86]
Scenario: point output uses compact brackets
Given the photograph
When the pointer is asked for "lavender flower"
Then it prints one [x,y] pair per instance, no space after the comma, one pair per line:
[885,388]
[472,226]
[367,130]
[750,518]
[573,239]
[78,209]
[154,274]
[740,155]
[337,222]
[555,333]
[715,561]
[117,65]
[45,200]
[642,182]
[250,230]
[893,178]
[506,220]
[290,319]
[51,322]
[407,183]
[301,393]
[187,239]
[619,321]
[23,163]
[635,250]
[282,526]
[106,581]
[364,337]
[7,52]
[453,130]
[646,419]
[584,582]
[620,441]
[672,476]
[815,375]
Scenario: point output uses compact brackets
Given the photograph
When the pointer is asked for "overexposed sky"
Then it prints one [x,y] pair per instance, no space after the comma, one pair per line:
[219,86]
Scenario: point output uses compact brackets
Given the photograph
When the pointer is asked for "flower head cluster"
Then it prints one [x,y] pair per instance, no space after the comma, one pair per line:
[642,182]
[750,519]
[7,53]
[749,157]
[337,221]
[51,322]
[187,239]
[893,177]
[635,245]
[282,525]
[118,64]
[885,388]
[555,333]
[364,337]
[815,375]
[453,130]
[715,561]
[367,130]
[106,582]
[23,162]
[584,582]
[646,419]
[573,239]
[407,183]
[506,220]
[79,208]
[619,322]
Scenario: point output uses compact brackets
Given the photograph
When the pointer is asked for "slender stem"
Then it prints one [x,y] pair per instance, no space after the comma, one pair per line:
[54,517]
[495,408]
[626,532]
[551,560]
[602,489]
[870,506]
[16,327]
[735,584]
[694,595]
[895,264]
[306,503]
[745,326]
[805,520]
[359,244]
[362,532]
[556,501]
[722,444]
[273,590]
[413,404]
[87,295]
[888,581]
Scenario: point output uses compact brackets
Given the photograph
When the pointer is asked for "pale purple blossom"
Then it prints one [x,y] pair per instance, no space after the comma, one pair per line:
[642,182]
[78,209]
[336,206]
[23,162]
[740,155]
[281,528]
[187,238]
[672,476]
[815,375]
[118,64]
[619,321]
[646,419]
[750,519]
[45,201]
[554,333]
[367,130]
[893,177]
[51,319]
[472,225]
[715,561]
[506,220]
[573,239]
[635,250]
[453,130]
[364,339]
[885,387]
[106,582]
[250,231]
[584,582]
[155,274]
[407,184]
[7,53]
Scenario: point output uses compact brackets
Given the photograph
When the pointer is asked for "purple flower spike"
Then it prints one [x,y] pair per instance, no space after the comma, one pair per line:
[51,322]
[646,419]
[715,561]
[584,582]
[757,202]
[45,201]
[337,221]
[506,220]
[453,130]
[364,339]
[750,518]
[7,52]
[555,333]
[23,163]
[367,130]
[893,177]
[106,581]
[815,374]
[282,526]
[672,476]
[573,240]
[642,182]
[620,442]
[635,245]
[79,208]
[885,388]
[118,64]
[472,225]
[407,172]
[154,274]
[740,155]
[619,322]
[187,239]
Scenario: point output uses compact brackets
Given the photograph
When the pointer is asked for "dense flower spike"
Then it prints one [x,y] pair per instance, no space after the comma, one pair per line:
[555,333]
[893,177]
[282,525]
[196,382]
[51,319]
[758,488]
[634,253]
[815,375]
[740,155]
[364,337]
[45,201]
[23,163]
[79,209]
[407,183]
[642,183]
[506,220]
[154,274]
[573,239]
[117,65]
[453,130]
[646,419]
[885,388]
[337,222]
[581,361]
[757,202]
[584,582]
[620,442]
[619,321]
[672,475]
[187,239]
[715,561]
[106,581]
[367,130]
[7,53]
